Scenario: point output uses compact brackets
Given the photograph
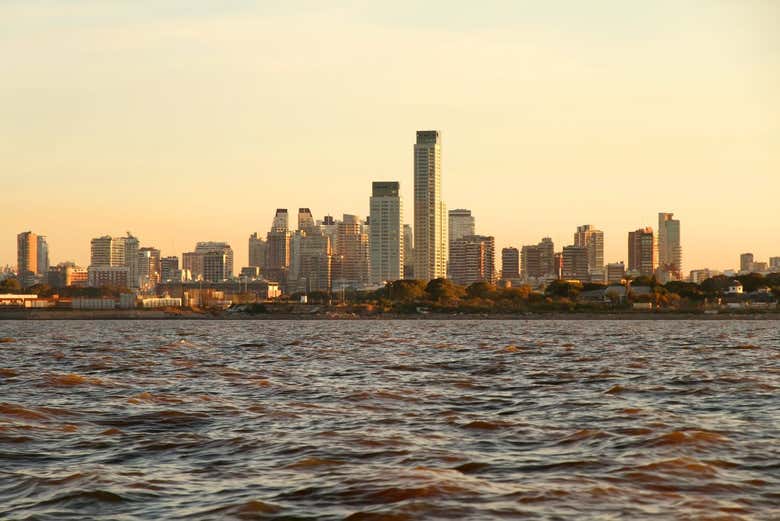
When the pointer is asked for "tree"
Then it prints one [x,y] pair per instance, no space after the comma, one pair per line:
[443,291]
[10,286]
[481,290]
[406,290]
[563,289]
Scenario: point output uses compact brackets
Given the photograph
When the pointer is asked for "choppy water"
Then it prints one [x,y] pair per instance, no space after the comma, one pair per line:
[389,420]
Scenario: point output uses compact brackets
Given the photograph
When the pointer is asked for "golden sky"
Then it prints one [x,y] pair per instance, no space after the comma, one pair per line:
[190,120]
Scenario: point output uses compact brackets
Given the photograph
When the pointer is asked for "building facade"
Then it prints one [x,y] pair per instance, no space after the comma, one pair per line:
[257,251]
[575,263]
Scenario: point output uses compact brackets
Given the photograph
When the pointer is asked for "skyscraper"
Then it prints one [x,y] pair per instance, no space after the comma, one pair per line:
[27,258]
[430,217]
[588,237]
[169,266]
[305,219]
[115,252]
[461,223]
[641,251]
[669,246]
[386,240]
[473,260]
[510,263]
[277,261]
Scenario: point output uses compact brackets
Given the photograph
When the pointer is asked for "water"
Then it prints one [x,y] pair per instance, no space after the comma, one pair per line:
[389,420]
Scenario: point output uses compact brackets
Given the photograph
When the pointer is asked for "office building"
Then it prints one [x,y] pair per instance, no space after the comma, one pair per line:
[641,251]
[430,216]
[669,245]
[116,276]
[473,260]
[386,240]
[510,263]
[107,251]
[305,220]
[218,269]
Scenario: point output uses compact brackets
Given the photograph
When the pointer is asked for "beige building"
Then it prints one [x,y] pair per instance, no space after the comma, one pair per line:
[641,251]
[669,245]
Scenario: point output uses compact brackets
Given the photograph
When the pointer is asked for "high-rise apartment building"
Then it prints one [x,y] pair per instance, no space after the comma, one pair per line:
[538,260]
[473,260]
[43,255]
[587,236]
[281,220]
[115,252]
[774,263]
[746,262]
[669,245]
[257,251]
[575,263]
[27,258]
[510,263]
[148,268]
[316,262]
[460,223]
[192,262]
[430,215]
[616,272]
[214,272]
[386,240]
[641,251]
[351,265]
[169,266]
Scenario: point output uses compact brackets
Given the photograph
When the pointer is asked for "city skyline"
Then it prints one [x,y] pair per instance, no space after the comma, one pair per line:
[664,117]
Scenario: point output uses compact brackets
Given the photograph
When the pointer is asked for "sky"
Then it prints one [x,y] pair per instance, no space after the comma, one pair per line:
[191,120]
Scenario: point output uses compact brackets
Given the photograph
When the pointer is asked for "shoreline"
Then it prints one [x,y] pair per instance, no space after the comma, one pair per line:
[132,314]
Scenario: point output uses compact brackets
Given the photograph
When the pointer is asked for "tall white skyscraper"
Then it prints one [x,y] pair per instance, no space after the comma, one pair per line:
[669,246]
[430,213]
[386,239]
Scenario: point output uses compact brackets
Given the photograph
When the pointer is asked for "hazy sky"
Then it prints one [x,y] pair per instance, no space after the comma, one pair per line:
[191,120]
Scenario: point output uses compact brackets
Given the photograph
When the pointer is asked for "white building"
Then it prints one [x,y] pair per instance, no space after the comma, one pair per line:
[386,239]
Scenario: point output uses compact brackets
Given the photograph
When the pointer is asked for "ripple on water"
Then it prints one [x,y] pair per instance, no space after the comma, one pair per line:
[389,420]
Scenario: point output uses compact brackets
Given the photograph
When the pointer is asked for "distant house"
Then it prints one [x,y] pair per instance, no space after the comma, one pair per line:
[735,288]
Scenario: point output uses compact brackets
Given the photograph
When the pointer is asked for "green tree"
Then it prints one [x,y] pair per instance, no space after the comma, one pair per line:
[443,291]
[563,289]
[481,290]
[406,290]
[10,285]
